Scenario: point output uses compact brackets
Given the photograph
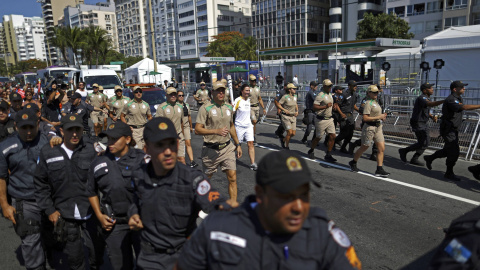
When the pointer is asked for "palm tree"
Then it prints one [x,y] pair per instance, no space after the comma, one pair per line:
[235,48]
[105,48]
[96,37]
[58,39]
[75,41]
[215,49]
[249,49]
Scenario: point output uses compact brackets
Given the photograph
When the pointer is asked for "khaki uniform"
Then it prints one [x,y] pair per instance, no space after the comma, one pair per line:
[97,100]
[254,105]
[202,95]
[217,150]
[289,103]
[136,117]
[116,105]
[372,131]
[174,113]
[186,123]
[324,121]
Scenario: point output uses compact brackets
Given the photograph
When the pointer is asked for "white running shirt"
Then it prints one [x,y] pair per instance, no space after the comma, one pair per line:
[242,108]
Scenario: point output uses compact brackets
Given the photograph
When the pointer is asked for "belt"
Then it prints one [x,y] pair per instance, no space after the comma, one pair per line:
[287,114]
[254,105]
[374,124]
[134,126]
[216,146]
[151,249]
[323,117]
[121,220]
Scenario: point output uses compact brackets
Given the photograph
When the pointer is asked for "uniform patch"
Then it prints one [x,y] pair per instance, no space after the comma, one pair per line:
[457,251]
[168,110]
[9,148]
[111,126]
[295,98]
[214,112]
[143,106]
[72,118]
[99,166]
[293,164]
[228,112]
[212,196]
[125,101]
[203,188]
[163,126]
[55,159]
[456,101]
[79,111]
[228,238]
[133,106]
[340,237]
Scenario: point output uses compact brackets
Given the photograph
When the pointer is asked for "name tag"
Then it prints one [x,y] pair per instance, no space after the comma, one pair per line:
[99,166]
[50,160]
[349,97]
[9,148]
[228,238]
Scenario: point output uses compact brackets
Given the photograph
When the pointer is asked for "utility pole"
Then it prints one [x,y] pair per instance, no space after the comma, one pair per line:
[152,31]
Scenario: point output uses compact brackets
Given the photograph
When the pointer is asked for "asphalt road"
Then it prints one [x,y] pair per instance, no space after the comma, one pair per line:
[394,223]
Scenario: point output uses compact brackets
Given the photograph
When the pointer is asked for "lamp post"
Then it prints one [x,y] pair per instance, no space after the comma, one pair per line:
[386,67]
[438,64]
[425,66]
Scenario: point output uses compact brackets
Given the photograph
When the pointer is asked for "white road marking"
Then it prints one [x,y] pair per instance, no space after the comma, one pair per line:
[386,179]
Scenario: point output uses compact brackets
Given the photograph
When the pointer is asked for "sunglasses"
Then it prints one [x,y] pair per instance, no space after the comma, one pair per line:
[137,91]
[181,95]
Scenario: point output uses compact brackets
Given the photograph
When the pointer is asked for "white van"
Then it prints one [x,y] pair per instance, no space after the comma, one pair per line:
[105,77]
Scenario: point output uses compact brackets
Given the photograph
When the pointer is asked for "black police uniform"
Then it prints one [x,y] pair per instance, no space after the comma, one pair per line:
[280,129]
[112,178]
[51,111]
[60,183]
[12,113]
[310,114]
[452,117]
[168,207]
[237,240]
[18,161]
[279,81]
[7,128]
[418,122]
[83,110]
[347,125]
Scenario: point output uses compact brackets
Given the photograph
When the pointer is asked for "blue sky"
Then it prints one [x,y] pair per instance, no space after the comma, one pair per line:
[27,8]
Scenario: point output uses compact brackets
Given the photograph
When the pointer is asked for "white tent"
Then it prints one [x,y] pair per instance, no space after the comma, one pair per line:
[140,71]
[459,47]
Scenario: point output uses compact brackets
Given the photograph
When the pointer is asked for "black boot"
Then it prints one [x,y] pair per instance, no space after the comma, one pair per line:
[351,148]
[475,170]
[415,161]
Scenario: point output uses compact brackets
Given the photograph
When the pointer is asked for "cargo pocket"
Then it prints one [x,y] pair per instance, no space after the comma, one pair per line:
[227,249]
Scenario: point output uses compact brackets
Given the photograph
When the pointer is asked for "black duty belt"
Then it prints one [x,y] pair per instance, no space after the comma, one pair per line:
[216,146]
[134,126]
[149,248]
[374,124]
[287,114]
[323,117]
[254,105]
[121,219]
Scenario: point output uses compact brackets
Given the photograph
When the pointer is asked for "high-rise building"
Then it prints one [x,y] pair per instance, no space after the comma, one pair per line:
[131,27]
[52,12]
[284,23]
[23,38]
[2,42]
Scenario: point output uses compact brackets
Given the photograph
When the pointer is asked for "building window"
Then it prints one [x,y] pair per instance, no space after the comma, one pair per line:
[416,28]
[456,4]
[399,11]
[434,26]
[202,8]
[223,18]
[455,21]
[433,7]
[185,14]
[184,24]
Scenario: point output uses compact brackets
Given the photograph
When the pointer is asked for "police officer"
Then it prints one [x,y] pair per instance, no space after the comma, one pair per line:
[187,126]
[51,108]
[347,123]
[215,123]
[174,111]
[274,229]
[110,174]
[60,182]
[105,109]
[280,129]
[201,96]
[117,102]
[255,101]
[289,112]
[16,101]
[279,80]
[7,124]
[168,197]
[309,113]
[18,160]
[99,100]
[336,114]
[80,108]
[452,117]
[323,121]
[372,131]
[418,122]
[136,114]
[44,127]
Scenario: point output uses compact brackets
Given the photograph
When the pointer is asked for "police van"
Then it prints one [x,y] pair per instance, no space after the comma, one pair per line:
[106,78]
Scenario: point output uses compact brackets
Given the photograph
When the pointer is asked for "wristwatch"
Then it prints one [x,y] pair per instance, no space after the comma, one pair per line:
[237,145]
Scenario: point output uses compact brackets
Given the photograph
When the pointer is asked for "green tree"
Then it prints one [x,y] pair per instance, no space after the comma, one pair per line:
[96,38]
[233,44]
[249,49]
[58,38]
[383,25]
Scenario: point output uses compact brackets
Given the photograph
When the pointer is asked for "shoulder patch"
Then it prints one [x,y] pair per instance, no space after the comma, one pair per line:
[203,187]
[338,235]
[457,251]
[99,166]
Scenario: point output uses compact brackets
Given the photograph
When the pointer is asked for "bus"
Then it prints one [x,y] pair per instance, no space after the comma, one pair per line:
[59,73]
[26,77]
[222,70]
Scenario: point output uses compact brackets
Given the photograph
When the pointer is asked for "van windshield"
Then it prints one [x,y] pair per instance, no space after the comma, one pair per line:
[60,75]
[107,81]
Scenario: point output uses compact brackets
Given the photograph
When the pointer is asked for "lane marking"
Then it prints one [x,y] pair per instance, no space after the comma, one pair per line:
[385,179]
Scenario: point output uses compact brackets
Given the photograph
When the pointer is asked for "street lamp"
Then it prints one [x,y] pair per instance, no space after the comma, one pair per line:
[425,66]
[438,64]
[386,67]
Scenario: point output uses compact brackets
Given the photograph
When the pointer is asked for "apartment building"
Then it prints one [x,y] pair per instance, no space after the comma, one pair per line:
[131,27]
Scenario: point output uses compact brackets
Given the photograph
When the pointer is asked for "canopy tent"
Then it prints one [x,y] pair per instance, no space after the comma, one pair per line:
[143,72]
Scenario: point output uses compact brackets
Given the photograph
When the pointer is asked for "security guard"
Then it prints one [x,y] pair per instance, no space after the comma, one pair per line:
[347,123]
[168,197]
[323,121]
[110,174]
[418,122]
[372,131]
[60,182]
[80,108]
[16,101]
[274,229]
[18,160]
[309,113]
[136,114]
[105,109]
[174,111]
[280,129]
[44,127]
[452,117]
[99,100]
[289,110]
[201,96]
[215,123]
[187,126]
[51,108]
[117,103]
[7,124]
[255,101]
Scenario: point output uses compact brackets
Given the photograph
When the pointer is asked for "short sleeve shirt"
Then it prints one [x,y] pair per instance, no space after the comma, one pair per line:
[116,105]
[452,110]
[174,113]
[280,94]
[420,109]
[254,95]
[289,103]
[242,109]
[347,105]
[372,108]
[136,112]
[215,116]
[97,100]
[323,99]
[202,94]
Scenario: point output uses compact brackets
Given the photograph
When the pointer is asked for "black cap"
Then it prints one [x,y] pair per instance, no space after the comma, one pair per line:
[313,83]
[32,106]
[338,87]
[26,117]
[117,130]
[15,97]
[63,86]
[284,171]
[159,128]
[426,86]
[4,105]
[69,94]
[71,120]
[76,95]
[455,84]
[352,83]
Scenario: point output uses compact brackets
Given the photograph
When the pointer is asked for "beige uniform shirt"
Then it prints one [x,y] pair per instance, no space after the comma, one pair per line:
[136,112]
[202,95]
[323,99]
[372,108]
[254,95]
[116,105]
[97,100]
[174,113]
[289,103]
[214,116]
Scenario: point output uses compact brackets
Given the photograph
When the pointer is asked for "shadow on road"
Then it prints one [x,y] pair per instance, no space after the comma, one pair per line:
[421,262]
